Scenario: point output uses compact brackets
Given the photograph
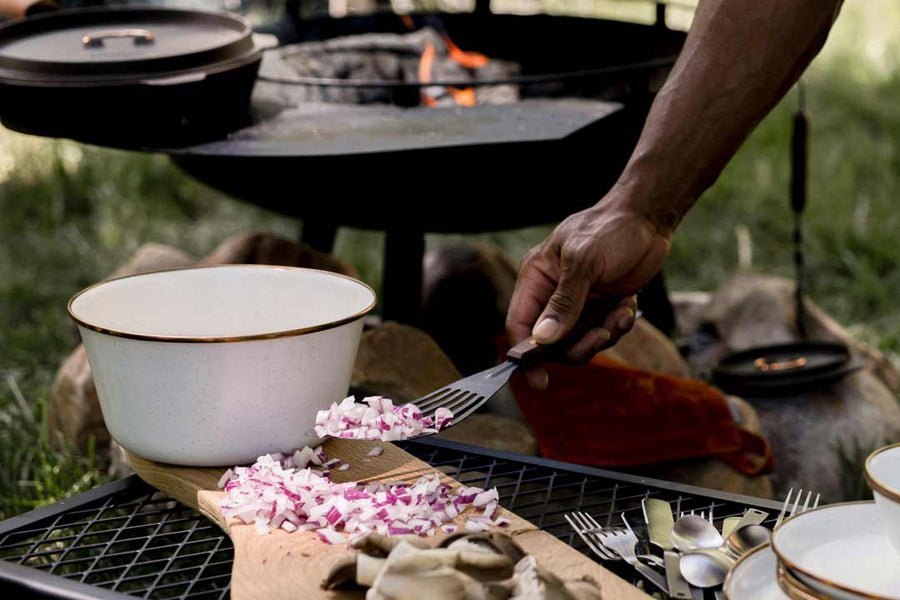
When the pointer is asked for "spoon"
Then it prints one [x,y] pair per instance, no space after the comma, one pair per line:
[746,538]
[691,532]
[705,568]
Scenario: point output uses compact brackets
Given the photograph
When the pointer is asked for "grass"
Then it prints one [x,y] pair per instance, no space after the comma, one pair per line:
[69,214]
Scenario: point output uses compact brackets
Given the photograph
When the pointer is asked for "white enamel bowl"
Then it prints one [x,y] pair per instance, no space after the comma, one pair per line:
[215,366]
[883,475]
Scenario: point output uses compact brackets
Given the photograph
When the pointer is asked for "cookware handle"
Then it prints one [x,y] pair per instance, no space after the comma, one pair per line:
[528,352]
[95,39]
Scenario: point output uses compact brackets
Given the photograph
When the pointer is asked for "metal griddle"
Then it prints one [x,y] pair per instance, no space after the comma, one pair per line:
[323,129]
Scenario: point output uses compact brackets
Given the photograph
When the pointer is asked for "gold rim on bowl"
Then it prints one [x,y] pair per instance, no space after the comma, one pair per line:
[793,567]
[794,588]
[727,585]
[883,489]
[222,339]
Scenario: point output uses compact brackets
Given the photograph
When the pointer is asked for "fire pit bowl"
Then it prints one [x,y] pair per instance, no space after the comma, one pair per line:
[215,366]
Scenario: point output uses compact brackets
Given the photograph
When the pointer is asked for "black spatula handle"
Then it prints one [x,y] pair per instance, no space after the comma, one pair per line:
[528,352]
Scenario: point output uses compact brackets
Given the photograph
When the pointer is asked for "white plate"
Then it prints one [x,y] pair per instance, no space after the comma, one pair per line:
[755,577]
[841,550]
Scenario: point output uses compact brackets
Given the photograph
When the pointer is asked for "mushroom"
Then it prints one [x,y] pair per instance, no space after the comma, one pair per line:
[498,543]
[480,566]
[531,582]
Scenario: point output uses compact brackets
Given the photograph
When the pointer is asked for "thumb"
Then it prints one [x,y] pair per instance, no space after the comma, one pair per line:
[563,308]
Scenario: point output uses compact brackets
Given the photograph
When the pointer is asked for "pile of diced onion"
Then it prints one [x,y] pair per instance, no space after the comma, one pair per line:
[376,418]
[287,491]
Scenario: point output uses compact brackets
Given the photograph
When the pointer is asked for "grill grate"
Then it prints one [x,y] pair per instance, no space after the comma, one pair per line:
[131,540]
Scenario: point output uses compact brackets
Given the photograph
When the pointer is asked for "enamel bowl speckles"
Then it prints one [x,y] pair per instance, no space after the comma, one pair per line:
[213,366]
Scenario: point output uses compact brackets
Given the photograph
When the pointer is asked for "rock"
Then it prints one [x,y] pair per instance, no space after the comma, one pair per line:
[820,438]
[269,249]
[73,411]
[646,347]
[495,432]
[154,257]
[118,463]
[465,294]
[400,362]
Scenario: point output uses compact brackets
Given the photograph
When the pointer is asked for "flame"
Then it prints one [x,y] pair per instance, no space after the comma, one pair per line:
[470,60]
[425,64]
[464,96]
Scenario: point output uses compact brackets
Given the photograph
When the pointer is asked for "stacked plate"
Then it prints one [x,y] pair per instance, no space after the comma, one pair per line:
[840,551]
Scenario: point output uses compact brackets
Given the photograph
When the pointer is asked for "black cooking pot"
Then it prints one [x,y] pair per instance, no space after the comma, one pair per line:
[127,76]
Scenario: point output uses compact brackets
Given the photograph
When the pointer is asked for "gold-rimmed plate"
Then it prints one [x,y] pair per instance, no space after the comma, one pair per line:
[840,550]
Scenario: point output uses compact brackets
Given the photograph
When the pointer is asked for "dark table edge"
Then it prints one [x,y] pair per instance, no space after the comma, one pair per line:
[25,582]
[34,583]
[52,510]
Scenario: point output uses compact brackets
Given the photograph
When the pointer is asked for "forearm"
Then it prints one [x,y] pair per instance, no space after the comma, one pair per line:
[740,58]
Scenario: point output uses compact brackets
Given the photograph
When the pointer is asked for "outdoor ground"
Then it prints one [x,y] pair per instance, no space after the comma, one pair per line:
[70,214]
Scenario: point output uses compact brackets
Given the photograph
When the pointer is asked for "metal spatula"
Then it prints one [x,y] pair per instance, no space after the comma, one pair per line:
[467,395]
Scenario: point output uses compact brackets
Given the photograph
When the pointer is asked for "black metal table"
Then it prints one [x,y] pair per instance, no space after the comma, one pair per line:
[125,539]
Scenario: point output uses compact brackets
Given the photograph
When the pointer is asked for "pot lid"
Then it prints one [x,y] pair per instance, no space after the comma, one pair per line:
[120,40]
[784,360]
[784,368]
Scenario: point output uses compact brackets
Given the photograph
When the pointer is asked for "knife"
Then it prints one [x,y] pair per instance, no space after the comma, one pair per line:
[658,516]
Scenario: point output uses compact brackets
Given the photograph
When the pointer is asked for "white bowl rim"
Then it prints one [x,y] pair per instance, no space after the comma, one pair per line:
[222,339]
[882,488]
[794,567]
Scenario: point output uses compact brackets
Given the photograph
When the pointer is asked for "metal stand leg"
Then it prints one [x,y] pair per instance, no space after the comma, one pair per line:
[402,286]
[320,235]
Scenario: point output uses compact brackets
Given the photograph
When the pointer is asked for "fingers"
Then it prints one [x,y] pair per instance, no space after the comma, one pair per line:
[616,323]
[564,306]
[532,292]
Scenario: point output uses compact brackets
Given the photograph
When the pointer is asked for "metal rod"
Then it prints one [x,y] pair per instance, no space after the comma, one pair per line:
[799,178]
[518,80]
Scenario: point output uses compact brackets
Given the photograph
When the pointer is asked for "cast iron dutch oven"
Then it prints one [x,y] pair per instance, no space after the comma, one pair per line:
[128,76]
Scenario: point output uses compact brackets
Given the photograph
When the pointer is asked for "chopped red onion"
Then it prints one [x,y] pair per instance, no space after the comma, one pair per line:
[282,491]
[376,418]
[376,451]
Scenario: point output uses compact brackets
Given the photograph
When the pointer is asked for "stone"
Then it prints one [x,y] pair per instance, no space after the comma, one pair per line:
[400,362]
[73,410]
[269,249]
[154,257]
[496,432]
[819,438]
[646,347]
[465,294]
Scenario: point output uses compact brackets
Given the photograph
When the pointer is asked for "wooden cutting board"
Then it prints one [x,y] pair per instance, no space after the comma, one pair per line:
[284,565]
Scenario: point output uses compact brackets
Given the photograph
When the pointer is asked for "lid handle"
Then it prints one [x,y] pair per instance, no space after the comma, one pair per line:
[765,364]
[95,39]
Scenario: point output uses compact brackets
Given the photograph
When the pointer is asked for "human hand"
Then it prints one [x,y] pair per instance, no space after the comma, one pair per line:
[586,273]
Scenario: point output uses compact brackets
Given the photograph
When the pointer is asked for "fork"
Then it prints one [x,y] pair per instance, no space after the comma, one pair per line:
[620,541]
[796,509]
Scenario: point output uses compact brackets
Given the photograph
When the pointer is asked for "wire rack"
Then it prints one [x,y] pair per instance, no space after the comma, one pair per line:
[126,539]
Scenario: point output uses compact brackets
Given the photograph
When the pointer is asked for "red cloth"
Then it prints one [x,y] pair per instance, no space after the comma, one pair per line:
[612,415]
